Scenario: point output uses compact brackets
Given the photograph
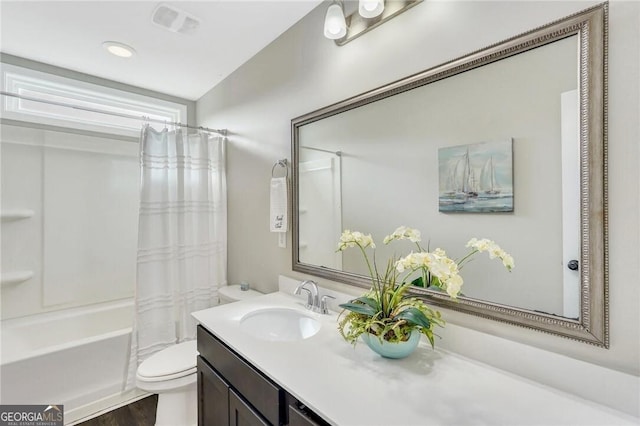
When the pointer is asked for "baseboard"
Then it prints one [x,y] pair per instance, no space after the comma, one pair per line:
[102,406]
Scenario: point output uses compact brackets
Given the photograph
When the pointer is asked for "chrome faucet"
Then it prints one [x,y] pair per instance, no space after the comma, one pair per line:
[314,301]
[312,294]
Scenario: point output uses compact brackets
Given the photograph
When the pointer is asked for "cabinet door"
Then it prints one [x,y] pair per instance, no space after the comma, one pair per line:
[213,397]
[242,414]
[298,418]
[261,393]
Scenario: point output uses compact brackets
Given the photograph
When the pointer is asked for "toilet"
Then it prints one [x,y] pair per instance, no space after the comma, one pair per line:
[233,293]
[171,373]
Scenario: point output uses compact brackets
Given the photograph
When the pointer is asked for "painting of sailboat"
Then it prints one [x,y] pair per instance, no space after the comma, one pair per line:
[476,178]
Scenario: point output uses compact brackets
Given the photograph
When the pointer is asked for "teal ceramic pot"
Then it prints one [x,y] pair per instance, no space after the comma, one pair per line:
[392,350]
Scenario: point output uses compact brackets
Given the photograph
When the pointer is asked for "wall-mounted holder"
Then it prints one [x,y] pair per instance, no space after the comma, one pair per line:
[16,214]
[15,277]
[281,163]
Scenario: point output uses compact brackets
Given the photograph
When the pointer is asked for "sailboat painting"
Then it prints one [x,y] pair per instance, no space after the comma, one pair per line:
[476,178]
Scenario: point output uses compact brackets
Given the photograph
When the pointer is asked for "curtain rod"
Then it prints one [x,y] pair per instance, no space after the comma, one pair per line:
[222,132]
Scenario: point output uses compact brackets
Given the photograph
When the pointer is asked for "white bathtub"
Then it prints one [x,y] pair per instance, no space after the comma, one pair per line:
[74,357]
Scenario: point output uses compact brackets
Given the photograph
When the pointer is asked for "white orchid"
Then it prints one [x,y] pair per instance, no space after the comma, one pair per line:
[403,233]
[438,265]
[386,311]
[493,249]
[355,238]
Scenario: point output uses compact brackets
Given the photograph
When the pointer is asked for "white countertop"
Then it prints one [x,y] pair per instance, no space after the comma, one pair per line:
[357,387]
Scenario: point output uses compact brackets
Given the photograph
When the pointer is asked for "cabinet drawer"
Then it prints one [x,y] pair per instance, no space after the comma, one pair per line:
[259,391]
[298,418]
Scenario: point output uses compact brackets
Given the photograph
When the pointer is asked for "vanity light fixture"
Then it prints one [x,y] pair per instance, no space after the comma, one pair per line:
[370,14]
[119,49]
[370,8]
[335,26]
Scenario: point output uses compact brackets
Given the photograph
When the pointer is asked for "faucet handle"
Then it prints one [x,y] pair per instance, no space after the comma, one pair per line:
[323,304]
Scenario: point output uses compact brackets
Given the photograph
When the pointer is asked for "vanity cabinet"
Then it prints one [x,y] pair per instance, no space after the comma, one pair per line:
[216,390]
[300,416]
[241,413]
[233,392]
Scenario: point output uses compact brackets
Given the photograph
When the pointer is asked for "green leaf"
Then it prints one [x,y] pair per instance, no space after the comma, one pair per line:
[429,335]
[415,316]
[397,295]
[368,301]
[359,308]
[418,282]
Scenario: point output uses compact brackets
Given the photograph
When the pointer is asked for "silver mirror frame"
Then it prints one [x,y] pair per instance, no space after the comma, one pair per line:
[591,26]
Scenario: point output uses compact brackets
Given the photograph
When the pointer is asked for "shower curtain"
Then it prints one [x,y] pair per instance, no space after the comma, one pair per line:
[182,237]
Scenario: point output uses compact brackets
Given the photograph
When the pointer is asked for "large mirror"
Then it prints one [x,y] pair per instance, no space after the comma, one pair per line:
[507,143]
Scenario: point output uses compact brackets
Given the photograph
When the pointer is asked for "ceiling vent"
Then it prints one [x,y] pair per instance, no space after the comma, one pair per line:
[175,20]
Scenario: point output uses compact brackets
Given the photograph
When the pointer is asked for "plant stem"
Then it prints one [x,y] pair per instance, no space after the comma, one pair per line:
[462,261]
[366,258]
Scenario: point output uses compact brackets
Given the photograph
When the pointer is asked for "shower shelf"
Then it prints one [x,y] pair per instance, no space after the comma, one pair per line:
[16,214]
[15,277]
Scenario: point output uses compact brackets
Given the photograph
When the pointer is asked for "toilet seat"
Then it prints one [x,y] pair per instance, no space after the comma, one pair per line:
[172,374]
[168,376]
[172,385]
[171,363]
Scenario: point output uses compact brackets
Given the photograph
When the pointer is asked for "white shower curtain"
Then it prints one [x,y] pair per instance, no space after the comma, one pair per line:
[182,237]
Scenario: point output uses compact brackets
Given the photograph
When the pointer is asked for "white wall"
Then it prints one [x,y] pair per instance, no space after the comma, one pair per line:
[81,241]
[301,71]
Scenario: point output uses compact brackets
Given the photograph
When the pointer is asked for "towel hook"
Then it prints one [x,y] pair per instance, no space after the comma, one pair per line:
[281,163]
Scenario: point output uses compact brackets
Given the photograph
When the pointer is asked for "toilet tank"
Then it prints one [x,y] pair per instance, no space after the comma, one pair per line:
[234,293]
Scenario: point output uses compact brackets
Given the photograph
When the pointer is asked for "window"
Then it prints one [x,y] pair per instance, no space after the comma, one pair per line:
[90,99]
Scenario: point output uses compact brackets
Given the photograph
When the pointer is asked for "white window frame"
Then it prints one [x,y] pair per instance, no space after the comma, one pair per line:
[41,85]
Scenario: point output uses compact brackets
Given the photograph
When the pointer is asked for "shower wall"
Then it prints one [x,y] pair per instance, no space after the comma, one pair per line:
[75,242]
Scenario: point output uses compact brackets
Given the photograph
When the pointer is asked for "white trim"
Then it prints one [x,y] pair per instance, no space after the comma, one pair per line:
[36,84]
[103,406]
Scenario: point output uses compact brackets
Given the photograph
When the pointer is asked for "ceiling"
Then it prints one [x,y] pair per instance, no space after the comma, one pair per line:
[69,34]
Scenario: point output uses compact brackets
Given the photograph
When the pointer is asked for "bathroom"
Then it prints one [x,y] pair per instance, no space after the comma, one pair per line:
[295,70]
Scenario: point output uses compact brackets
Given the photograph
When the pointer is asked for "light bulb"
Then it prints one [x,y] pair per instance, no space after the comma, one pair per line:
[370,8]
[370,5]
[335,25]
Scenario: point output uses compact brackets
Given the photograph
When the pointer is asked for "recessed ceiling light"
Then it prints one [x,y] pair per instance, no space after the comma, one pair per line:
[119,49]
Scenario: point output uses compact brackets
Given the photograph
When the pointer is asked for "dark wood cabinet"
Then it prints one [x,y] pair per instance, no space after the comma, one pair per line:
[213,396]
[241,413]
[298,417]
[233,392]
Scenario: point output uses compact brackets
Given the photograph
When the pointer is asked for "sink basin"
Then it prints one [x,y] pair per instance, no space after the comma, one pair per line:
[279,324]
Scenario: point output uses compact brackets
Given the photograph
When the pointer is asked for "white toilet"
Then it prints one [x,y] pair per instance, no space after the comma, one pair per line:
[171,373]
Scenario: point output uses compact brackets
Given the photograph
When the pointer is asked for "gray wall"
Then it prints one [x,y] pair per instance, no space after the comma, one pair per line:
[302,71]
[392,146]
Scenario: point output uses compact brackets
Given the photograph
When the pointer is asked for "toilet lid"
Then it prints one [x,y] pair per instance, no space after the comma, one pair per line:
[170,361]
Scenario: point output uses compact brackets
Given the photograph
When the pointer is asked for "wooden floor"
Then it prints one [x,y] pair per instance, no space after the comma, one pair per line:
[139,413]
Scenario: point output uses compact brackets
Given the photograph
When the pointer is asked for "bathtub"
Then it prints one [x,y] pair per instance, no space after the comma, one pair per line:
[76,357]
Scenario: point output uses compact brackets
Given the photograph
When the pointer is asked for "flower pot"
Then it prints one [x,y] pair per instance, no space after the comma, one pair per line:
[392,349]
